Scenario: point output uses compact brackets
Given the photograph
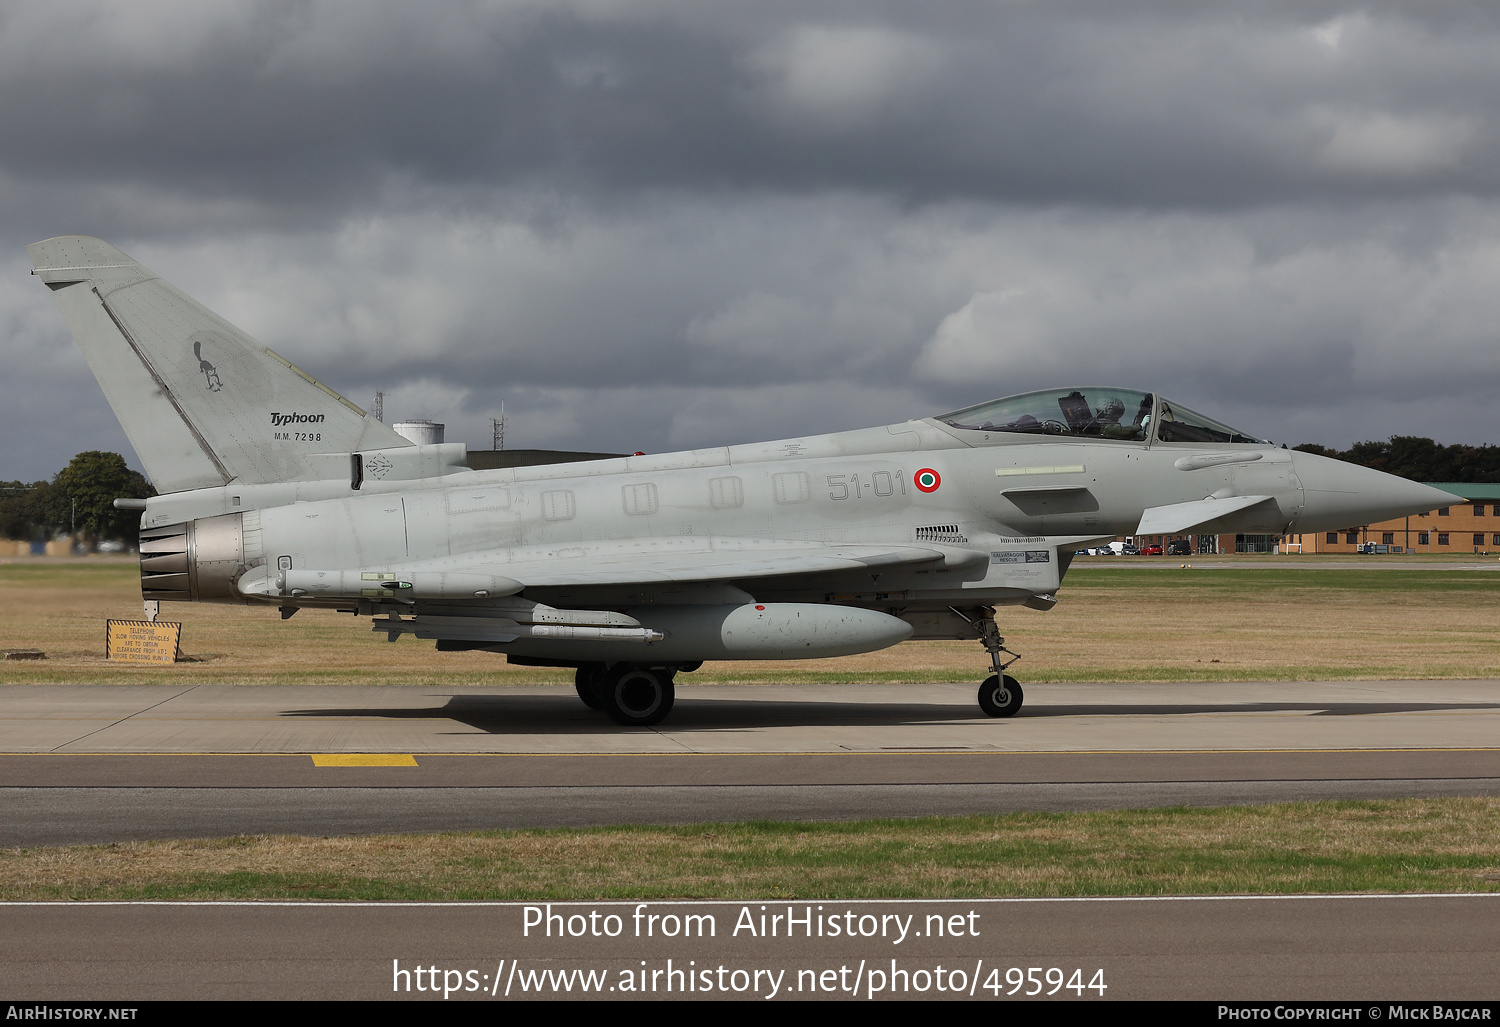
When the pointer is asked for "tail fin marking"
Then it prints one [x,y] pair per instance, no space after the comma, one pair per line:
[202,402]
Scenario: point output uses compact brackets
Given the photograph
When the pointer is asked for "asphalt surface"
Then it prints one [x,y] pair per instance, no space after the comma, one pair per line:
[746,719]
[1361,949]
[101,764]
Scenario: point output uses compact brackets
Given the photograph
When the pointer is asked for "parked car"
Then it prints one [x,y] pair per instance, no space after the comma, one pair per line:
[1130,550]
[1153,550]
[1179,547]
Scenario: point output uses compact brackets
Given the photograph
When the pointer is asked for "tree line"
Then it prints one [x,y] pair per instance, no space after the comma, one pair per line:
[1419,459]
[79,500]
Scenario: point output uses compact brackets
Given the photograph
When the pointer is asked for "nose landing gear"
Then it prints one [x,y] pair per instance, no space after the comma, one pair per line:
[1000,695]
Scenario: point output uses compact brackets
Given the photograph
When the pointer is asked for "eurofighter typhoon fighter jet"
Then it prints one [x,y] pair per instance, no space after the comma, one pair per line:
[277,491]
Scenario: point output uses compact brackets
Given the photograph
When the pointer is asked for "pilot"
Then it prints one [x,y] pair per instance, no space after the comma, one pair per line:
[1143,415]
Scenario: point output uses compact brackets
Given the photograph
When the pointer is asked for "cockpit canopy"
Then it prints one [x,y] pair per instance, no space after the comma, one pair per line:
[1095,413]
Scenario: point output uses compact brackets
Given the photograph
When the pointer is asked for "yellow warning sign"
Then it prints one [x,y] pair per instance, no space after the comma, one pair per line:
[142,641]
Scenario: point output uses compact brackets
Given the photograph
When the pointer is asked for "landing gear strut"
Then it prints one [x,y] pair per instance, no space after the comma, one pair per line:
[1000,695]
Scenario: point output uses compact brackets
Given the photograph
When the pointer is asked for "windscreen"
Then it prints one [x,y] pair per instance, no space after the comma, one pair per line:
[1179,424]
[1106,413]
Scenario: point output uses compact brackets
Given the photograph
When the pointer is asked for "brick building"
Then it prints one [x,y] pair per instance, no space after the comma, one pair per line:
[1472,526]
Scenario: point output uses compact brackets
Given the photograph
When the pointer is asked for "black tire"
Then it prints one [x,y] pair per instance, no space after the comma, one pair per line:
[587,680]
[1001,698]
[637,696]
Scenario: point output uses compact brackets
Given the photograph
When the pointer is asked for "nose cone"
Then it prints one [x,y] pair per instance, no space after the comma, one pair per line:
[1342,495]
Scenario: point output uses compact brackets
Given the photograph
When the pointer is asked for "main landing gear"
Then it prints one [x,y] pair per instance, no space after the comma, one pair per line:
[587,680]
[632,695]
[1000,695]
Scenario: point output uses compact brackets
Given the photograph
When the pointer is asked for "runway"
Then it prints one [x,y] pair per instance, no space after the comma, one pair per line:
[1362,949]
[99,764]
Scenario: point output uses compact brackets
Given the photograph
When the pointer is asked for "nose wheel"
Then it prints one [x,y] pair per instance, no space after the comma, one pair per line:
[1001,695]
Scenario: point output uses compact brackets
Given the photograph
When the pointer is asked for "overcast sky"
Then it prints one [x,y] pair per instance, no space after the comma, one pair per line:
[659,225]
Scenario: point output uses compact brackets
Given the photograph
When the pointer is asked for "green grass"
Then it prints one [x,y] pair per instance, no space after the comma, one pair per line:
[1409,845]
[1252,622]
[1285,580]
[38,573]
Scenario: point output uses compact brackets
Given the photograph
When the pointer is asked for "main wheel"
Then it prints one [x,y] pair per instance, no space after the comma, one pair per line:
[1000,696]
[587,680]
[637,696]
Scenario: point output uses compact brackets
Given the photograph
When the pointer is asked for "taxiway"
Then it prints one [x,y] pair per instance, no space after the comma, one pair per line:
[98,764]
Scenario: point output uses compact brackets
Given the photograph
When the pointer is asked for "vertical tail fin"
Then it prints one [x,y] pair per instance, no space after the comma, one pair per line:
[202,402]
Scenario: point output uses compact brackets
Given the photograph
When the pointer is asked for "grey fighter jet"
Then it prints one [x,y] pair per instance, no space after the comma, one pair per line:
[277,491]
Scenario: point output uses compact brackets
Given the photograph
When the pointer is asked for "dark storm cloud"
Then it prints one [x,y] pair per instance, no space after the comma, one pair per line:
[655,225]
[309,106]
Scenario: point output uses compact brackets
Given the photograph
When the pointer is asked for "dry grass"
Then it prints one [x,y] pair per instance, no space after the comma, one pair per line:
[1413,845]
[1112,625]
